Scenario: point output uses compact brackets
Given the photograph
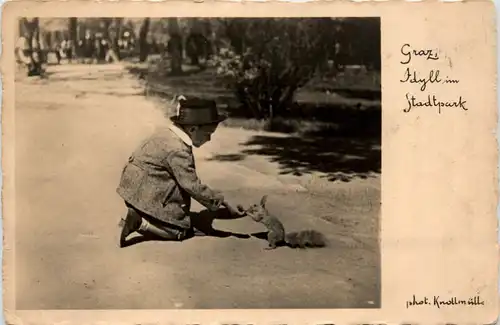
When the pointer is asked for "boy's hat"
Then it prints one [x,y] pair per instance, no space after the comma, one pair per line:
[195,111]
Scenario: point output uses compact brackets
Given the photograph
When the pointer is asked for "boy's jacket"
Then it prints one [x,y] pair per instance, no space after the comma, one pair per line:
[160,179]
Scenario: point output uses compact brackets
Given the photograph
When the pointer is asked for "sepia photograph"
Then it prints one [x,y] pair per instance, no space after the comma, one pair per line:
[197,163]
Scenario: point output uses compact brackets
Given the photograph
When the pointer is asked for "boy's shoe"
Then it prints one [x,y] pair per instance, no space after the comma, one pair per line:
[131,224]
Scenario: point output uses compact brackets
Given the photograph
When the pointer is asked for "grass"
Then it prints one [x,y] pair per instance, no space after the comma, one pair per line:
[279,124]
[324,103]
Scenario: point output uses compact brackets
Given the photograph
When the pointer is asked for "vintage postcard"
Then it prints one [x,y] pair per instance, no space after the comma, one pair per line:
[175,162]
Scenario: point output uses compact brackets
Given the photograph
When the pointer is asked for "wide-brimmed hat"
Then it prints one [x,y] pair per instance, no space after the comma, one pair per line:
[196,111]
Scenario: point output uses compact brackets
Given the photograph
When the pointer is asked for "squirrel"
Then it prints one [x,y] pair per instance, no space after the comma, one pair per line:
[276,235]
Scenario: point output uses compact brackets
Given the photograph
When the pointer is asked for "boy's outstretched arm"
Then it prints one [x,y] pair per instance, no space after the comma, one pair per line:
[181,164]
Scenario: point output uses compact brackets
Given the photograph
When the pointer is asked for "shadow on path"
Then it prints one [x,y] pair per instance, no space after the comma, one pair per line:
[339,157]
[202,222]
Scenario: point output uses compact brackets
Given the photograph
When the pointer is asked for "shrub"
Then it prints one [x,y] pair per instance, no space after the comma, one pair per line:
[271,59]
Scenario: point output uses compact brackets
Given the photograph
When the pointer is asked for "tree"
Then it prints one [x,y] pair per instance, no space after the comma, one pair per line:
[73,30]
[358,42]
[116,36]
[210,28]
[143,42]
[175,47]
[197,45]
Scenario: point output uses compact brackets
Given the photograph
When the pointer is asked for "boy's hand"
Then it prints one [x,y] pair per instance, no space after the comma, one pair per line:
[234,211]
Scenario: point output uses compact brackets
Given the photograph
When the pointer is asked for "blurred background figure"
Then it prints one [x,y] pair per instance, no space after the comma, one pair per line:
[110,54]
[23,50]
[56,49]
[98,55]
[67,49]
[29,55]
[37,55]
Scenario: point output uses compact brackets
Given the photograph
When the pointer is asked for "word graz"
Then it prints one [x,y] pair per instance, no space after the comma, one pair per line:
[408,52]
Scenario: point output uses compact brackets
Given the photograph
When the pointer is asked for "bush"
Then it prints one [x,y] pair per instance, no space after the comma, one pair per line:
[270,60]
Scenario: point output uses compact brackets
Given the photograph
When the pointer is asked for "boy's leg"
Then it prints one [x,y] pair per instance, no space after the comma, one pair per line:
[161,229]
[136,221]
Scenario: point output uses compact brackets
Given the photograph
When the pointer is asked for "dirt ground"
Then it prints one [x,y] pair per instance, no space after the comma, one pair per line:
[74,132]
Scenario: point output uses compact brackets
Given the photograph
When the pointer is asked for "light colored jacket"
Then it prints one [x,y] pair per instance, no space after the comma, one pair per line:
[160,179]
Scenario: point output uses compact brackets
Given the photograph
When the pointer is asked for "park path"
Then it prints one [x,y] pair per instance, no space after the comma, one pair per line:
[75,130]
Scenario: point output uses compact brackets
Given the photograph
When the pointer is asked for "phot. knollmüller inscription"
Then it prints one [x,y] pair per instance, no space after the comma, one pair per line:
[425,80]
[438,301]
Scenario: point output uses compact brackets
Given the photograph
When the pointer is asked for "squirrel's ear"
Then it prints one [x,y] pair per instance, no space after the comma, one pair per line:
[263,201]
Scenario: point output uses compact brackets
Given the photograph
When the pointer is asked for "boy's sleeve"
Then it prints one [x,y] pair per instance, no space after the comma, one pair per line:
[182,166]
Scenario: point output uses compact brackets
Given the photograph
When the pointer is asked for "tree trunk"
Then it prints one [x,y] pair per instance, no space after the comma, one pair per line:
[73,36]
[194,48]
[36,32]
[213,48]
[73,30]
[118,32]
[175,51]
[143,41]
[107,27]
[21,27]
[175,46]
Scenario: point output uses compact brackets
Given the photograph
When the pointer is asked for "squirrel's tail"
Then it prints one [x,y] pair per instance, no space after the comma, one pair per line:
[305,239]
